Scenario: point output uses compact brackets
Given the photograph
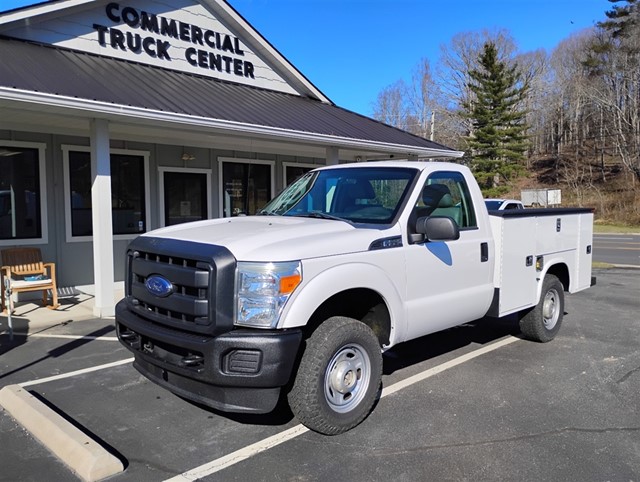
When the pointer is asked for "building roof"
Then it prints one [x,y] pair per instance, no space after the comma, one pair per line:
[67,77]
[31,21]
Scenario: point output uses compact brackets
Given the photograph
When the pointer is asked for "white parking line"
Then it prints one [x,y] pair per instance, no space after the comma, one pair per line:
[270,442]
[239,455]
[75,337]
[75,373]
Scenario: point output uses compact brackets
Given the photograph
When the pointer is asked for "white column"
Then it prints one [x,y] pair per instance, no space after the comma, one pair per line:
[332,156]
[103,273]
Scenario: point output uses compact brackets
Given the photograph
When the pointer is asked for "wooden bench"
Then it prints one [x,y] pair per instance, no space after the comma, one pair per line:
[26,272]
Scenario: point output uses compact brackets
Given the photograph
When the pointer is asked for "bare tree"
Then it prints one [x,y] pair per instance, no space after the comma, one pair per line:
[616,90]
[421,99]
[535,71]
[570,87]
[390,105]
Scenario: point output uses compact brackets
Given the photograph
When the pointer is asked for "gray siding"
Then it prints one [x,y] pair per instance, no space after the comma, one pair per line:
[74,260]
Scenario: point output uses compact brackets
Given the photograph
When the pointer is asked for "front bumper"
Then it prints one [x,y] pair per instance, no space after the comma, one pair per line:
[238,371]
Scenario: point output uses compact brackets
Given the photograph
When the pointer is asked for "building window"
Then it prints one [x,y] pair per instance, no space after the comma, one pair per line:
[294,171]
[246,186]
[128,193]
[184,195]
[21,196]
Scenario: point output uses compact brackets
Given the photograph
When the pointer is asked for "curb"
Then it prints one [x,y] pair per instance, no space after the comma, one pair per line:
[83,455]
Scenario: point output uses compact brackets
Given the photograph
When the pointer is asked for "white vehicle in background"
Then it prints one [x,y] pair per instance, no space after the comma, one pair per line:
[502,204]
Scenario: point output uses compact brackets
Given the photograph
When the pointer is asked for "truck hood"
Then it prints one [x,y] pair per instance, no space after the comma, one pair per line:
[276,238]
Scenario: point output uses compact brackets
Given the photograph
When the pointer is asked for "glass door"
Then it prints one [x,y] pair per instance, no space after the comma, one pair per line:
[186,196]
[246,187]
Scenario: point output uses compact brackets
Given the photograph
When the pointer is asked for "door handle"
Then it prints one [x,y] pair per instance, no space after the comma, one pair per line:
[484,252]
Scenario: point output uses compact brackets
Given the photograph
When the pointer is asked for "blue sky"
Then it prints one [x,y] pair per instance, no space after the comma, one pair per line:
[352,49]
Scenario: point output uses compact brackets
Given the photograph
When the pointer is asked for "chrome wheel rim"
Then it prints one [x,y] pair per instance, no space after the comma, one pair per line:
[347,378]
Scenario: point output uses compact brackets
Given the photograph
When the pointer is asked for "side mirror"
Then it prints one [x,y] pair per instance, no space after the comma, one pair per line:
[438,228]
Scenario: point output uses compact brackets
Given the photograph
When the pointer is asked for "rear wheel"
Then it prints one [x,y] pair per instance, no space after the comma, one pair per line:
[543,321]
[339,377]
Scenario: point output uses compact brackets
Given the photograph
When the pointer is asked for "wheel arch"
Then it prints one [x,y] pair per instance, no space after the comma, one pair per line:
[561,271]
[363,304]
[370,297]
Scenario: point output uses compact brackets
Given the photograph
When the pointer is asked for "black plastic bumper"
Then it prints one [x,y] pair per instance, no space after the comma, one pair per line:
[239,371]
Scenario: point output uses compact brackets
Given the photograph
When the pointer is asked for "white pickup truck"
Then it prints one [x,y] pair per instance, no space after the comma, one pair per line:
[348,261]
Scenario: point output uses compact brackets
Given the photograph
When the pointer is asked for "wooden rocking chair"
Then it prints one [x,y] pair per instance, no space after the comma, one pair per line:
[24,269]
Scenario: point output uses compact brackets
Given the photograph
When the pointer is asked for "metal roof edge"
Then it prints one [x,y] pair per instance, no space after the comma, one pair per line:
[38,9]
[396,128]
[106,110]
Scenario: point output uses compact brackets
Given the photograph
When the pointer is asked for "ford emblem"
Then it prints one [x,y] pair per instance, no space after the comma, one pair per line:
[159,286]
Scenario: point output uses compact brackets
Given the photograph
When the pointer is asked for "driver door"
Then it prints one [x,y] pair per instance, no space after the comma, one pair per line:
[448,282]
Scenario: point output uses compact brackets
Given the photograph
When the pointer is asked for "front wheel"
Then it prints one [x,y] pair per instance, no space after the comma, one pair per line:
[339,376]
[543,321]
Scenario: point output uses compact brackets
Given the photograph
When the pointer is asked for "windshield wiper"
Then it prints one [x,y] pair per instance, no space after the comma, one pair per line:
[321,215]
[264,212]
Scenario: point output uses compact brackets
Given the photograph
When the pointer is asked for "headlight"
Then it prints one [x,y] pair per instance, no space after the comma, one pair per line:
[262,289]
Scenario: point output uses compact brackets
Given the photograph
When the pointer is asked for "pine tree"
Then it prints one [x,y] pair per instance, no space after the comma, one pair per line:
[498,139]
[623,20]
[619,36]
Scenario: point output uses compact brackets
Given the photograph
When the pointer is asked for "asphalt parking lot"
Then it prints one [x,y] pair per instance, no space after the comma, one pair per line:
[517,410]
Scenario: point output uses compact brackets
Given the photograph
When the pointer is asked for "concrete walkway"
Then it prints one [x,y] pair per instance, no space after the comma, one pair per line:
[31,317]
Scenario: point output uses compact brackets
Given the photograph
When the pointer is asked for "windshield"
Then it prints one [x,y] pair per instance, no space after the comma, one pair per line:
[361,195]
[493,205]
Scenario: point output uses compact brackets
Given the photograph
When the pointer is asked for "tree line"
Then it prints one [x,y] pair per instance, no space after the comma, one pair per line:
[575,109]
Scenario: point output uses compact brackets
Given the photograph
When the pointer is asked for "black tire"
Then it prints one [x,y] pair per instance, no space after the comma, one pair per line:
[339,376]
[543,321]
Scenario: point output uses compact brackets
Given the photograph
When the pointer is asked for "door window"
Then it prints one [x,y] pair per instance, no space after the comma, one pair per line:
[186,197]
[246,187]
[447,194]
[295,171]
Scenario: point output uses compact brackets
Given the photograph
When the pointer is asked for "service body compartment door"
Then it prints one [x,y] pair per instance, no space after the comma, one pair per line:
[515,271]
[557,233]
[584,254]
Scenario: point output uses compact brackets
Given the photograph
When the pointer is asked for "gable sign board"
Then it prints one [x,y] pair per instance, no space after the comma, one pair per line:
[178,35]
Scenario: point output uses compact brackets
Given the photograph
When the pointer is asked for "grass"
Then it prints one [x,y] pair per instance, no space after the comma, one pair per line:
[615,228]
[601,265]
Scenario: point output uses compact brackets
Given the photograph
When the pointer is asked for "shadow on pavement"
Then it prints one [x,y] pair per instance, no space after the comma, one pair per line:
[482,332]
[21,339]
[20,333]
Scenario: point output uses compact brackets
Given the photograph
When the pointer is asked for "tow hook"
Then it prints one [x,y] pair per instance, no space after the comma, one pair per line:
[193,360]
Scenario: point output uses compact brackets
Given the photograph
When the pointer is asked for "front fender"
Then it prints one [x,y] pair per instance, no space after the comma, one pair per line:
[329,282]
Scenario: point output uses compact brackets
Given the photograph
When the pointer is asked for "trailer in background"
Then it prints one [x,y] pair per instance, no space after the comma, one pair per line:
[541,197]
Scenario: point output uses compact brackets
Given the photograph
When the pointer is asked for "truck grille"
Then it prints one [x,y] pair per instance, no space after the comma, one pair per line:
[198,280]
